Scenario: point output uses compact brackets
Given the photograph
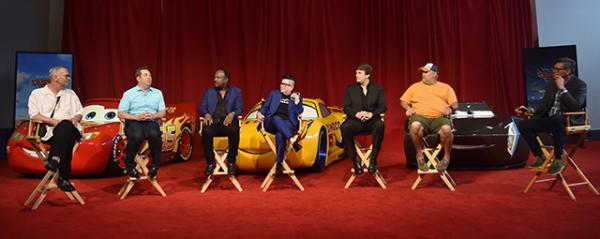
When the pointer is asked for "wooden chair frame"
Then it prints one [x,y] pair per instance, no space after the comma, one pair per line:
[364,153]
[431,154]
[221,168]
[578,130]
[141,160]
[50,179]
[287,170]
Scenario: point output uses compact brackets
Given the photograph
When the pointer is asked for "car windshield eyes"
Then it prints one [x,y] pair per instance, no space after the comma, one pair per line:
[110,115]
[90,115]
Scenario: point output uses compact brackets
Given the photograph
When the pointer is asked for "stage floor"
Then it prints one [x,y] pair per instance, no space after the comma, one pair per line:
[487,204]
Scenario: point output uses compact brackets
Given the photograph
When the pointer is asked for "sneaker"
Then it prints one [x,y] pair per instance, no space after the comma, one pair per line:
[422,165]
[538,163]
[442,165]
[556,167]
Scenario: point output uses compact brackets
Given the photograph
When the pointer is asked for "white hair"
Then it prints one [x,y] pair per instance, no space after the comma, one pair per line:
[54,69]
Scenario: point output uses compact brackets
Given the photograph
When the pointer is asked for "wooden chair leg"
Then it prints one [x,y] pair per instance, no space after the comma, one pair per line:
[267,183]
[351,179]
[235,183]
[417,181]
[364,155]
[431,154]
[41,198]
[562,180]
[158,187]
[141,162]
[582,176]
[292,174]
[39,187]
[269,176]
[549,152]
[221,170]
[445,177]
[286,168]
[379,178]
[128,187]
[206,184]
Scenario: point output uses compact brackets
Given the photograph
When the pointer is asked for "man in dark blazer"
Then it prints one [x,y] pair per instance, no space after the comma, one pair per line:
[220,106]
[280,116]
[564,93]
[364,102]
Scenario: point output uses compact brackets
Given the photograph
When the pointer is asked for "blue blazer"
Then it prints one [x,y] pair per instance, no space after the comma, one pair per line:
[269,108]
[233,101]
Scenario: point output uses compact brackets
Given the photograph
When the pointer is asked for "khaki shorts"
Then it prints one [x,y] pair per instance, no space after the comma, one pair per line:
[430,126]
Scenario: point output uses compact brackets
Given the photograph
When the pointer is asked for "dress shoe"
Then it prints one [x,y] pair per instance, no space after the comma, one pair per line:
[52,165]
[133,173]
[279,169]
[210,167]
[373,165]
[357,167]
[65,185]
[297,147]
[231,168]
[153,171]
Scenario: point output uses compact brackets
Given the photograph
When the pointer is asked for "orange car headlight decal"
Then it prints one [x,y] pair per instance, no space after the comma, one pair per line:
[91,135]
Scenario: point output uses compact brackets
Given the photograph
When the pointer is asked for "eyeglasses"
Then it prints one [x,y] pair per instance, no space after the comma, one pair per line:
[286,84]
[559,68]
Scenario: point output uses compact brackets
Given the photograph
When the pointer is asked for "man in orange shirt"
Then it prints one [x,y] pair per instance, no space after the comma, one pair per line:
[428,104]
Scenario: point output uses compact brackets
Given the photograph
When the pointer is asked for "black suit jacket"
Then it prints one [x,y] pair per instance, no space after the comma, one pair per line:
[376,102]
[573,100]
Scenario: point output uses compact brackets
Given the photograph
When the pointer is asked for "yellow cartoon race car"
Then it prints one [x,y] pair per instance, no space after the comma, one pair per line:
[321,144]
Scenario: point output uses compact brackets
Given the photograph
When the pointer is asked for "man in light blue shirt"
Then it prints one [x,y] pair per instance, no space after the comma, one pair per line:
[141,107]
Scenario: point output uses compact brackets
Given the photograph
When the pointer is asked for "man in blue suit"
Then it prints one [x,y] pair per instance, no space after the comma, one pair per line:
[220,106]
[280,115]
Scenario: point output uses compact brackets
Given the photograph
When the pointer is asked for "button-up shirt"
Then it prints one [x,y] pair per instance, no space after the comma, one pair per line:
[43,101]
[136,101]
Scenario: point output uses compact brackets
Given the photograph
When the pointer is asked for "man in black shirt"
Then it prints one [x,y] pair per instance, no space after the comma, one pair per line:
[280,113]
[220,107]
[364,102]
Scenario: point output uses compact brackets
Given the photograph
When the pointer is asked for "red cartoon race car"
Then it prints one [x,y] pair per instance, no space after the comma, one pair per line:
[101,149]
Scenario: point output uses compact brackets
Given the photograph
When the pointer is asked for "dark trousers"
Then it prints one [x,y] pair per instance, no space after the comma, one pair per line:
[283,130]
[64,137]
[555,125]
[232,131]
[353,126]
[137,132]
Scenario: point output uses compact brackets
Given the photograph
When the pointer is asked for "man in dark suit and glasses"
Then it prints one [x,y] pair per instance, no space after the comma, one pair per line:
[565,93]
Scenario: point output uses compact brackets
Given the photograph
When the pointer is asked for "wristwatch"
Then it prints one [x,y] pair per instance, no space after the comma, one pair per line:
[564,91]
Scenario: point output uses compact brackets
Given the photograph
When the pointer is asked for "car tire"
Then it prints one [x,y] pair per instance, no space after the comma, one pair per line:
[321,157]
[185,145]
[116,162]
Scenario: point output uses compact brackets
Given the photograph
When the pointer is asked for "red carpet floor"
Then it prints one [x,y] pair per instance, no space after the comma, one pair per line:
[487,204]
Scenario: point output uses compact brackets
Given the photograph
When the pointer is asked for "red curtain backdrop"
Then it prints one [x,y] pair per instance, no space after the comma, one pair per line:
[109,39]
[477,45]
